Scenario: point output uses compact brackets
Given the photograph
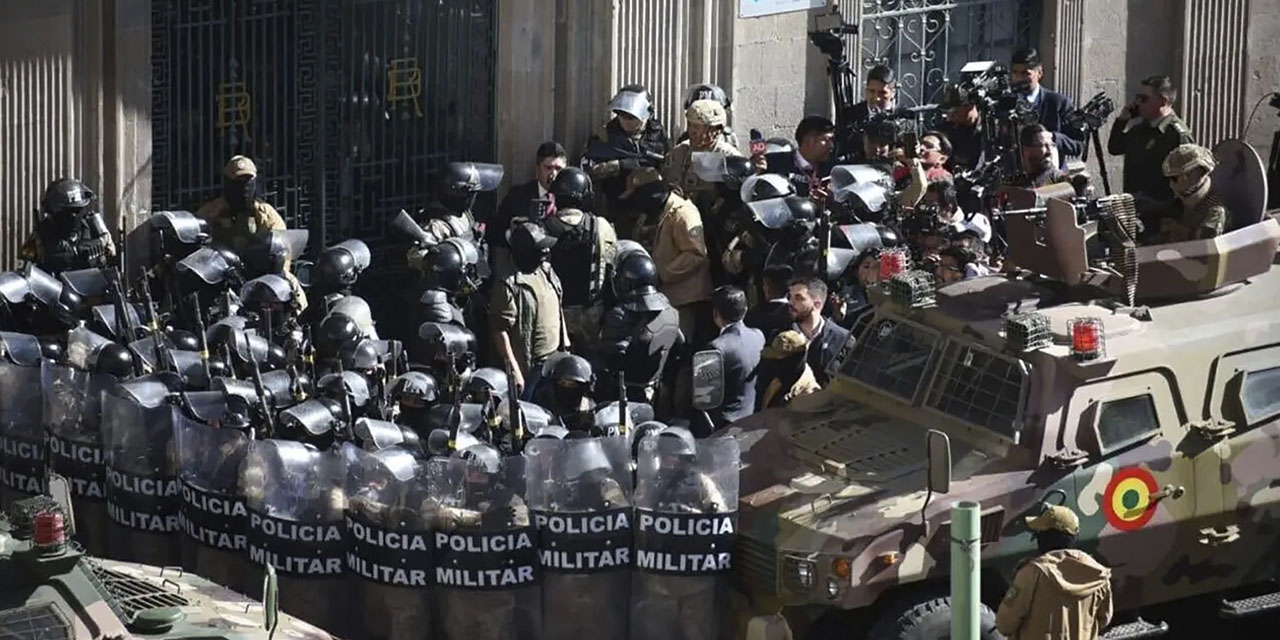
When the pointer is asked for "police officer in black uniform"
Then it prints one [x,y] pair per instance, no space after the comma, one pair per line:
[584,249]
[640,334]
[69,234]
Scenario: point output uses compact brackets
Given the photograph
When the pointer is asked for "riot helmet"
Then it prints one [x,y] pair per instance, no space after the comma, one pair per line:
[675,445]
[485,384]
[633,100]
[444,343]
[365,356]
[445,267]
[459,182]
[635,284]
[572,189]
[766,187]
[737,169]
[114,360]
[183,340]
[66,196]
[642,431]
[335,333]
[706,91]
[346,385]
[571,379]
[530,245]
[413,394]
[483,468]
[339,266]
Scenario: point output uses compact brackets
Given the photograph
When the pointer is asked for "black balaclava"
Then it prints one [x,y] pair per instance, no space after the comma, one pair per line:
[240,192]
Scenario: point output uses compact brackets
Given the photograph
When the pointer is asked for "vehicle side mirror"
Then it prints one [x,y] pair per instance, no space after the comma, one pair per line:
[938,446]
[708,380]
[302,270]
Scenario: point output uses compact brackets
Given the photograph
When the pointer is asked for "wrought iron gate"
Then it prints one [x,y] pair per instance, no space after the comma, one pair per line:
[927,41]
[345,105]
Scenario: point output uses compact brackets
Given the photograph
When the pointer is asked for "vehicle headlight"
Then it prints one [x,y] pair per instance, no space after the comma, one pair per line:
[805,573]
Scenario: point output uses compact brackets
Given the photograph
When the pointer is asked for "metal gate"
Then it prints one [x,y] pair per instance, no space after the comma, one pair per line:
[345,105]
[926,42]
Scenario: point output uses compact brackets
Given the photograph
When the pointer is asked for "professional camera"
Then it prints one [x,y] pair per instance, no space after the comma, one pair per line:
[1092,114]
[988,86]
[827,35]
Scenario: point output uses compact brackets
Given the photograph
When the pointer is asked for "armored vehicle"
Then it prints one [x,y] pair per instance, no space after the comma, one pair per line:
[50,590]
[1137,385]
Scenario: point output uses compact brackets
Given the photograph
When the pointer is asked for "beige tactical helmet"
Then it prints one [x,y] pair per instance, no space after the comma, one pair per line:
[1186,157]
[706,112]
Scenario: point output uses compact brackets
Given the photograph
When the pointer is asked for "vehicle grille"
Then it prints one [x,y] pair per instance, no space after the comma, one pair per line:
[754,567]
[128,595]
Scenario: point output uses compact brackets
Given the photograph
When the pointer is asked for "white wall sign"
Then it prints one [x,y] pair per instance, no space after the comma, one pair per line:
[757,8]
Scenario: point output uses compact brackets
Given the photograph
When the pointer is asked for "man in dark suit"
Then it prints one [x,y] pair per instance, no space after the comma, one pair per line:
[881,91]
[810,161]
[772,315]
[519,203]
[1051,107]
[740,346]
[808,297]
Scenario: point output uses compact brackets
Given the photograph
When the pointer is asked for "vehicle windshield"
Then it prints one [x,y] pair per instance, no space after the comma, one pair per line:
[891,356]
[964,381]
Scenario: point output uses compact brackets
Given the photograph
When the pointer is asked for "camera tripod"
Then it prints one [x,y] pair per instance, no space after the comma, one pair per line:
[1092,133]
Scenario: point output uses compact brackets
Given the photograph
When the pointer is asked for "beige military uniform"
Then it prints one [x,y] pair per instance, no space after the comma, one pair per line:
[1206,219]
[528,307]
[678,171]
[680,251]
[441,229]
[237,230]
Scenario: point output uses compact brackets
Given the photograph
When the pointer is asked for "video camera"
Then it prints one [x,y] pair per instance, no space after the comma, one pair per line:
[828,34]
[988,86]
[1091,114]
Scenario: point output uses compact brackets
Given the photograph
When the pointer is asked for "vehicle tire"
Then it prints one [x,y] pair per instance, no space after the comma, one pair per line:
[928,620]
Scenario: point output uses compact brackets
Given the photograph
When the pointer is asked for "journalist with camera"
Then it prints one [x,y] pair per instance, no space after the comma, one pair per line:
[1052,109]
[1145,132]
[963,128]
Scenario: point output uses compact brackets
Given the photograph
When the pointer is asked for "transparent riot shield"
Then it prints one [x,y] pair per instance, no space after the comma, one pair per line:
[142,489]
[389,558]
[686,522]
[580,495]
[294,493]
[21,434]
[213,513]
[487,577]
[72,420]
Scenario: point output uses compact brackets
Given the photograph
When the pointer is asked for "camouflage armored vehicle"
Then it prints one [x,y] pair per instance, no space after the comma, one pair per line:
[1137,385]
[51,591]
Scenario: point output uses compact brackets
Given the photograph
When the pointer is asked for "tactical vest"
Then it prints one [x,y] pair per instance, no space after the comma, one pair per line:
[575,254]
[522,293]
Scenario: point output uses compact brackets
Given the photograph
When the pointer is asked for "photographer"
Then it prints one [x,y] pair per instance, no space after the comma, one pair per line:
[963,127]
[1052,107]
[881,92]
[1146,141]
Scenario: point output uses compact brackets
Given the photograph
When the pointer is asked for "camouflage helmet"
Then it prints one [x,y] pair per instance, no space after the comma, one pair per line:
[707,113]
[1186,157]
[1056,518]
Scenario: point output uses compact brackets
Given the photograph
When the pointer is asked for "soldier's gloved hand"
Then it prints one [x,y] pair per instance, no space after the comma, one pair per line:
[415,256]
[732,261]
[606,169]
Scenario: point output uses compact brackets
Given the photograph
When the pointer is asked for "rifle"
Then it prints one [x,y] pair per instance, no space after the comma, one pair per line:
[153,325]
[513,398]
[261,390]
[202,339]
[623,417]
[601,151]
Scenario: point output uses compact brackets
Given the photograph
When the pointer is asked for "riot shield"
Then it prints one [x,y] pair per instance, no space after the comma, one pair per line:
[213,513]
[580,495]
[22,458]
[686,522]
[388,518]
[72,419]
[143,494]
[487,578]
[294,493]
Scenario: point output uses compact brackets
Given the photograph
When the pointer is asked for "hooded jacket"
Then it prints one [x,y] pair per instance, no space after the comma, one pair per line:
[1061,595]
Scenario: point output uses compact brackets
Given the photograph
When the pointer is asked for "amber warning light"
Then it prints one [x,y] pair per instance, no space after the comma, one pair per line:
[1087,339]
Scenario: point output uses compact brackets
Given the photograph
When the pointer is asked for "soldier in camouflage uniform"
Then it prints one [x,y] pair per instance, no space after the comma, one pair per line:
[69,234]
[1197,214]
[240,220]
[449,214]
[706,121]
